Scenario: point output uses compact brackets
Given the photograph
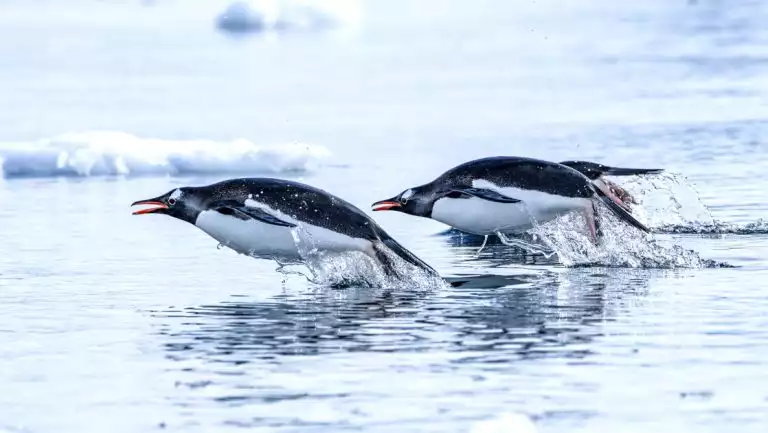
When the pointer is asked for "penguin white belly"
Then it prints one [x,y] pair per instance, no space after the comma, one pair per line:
[263,240]
[249,236]
[314,237]
[479,216]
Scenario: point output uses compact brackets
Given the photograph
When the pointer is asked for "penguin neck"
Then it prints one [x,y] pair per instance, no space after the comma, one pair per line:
[189,215]
[188,212]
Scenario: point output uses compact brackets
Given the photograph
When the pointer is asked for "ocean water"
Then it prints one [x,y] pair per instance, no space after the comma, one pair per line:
[111,322]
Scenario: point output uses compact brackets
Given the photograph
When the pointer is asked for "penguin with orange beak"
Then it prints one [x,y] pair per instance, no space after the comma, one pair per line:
[263,218]
[506,195]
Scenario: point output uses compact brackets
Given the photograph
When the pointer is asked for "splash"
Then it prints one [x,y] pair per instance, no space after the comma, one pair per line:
[568,240]
[665,199]
[620,245]
[103,153]
[355,269]
[527,246]
[352,268]
[670,204]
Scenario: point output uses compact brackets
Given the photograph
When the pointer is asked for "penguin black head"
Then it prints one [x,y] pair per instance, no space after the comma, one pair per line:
[417,201]
[179,203]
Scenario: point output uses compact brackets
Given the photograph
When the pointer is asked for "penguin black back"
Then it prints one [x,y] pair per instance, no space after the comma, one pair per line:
[300,201]
[520,172]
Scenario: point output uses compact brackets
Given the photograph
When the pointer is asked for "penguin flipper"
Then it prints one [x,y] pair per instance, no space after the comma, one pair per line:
[244,212]
[401,251]
[620,211]
[483,193]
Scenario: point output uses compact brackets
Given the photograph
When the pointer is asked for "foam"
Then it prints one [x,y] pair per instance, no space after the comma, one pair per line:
[354,268]
[289,15]
[665,199]
[620,246]
[669,203]
[100,153]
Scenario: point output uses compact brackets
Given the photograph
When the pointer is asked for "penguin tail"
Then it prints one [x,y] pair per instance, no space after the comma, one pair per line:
[594,170]
[619,171]
[619,211]
[389,242]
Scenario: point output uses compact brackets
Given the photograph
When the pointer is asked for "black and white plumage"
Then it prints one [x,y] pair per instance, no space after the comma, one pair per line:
[262,217]
[596,172]
[505,195]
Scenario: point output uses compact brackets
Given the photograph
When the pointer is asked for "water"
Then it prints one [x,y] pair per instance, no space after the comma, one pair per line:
[117,323]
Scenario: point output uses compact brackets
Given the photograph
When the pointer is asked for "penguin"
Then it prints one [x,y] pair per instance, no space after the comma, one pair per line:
[504,195]
[595,173]
[260,217]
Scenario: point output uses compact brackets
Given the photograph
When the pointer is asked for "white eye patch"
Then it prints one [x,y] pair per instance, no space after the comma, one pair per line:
[407,194]
[176,194]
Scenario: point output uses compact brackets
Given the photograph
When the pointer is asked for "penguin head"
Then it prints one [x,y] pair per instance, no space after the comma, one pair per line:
[416,201]
[181,203]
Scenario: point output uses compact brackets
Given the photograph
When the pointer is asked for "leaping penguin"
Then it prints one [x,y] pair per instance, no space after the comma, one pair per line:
[595,173]
[505,195]
[258,217]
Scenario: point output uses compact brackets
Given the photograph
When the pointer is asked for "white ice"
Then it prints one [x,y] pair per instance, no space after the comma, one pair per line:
[97,153]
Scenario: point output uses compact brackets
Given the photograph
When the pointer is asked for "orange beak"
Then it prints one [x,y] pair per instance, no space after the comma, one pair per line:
[385,205]
[156,206]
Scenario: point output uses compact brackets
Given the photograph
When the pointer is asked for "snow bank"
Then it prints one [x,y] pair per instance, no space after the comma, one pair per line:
[98,153]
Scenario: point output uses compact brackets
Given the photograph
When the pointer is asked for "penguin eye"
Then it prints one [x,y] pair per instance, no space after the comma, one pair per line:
[405,195]
[171,201]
